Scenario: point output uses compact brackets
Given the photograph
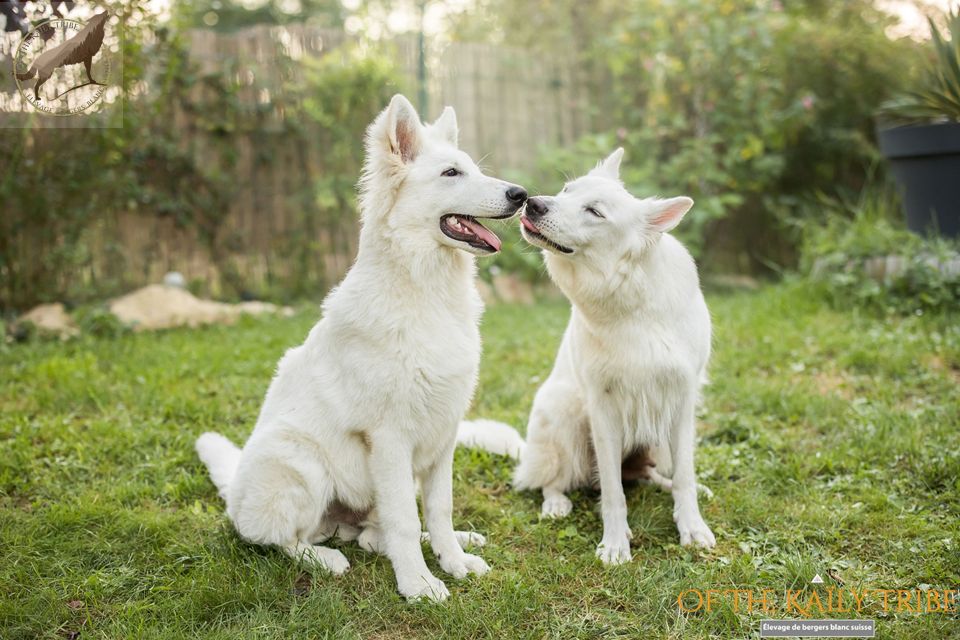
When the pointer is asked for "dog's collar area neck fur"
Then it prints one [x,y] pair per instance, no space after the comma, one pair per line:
[613,291]
[431,272]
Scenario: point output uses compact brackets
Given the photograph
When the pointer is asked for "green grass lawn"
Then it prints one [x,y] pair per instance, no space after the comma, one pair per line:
[831,442]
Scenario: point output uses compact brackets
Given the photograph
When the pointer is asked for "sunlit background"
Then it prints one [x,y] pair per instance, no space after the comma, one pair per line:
[233,156]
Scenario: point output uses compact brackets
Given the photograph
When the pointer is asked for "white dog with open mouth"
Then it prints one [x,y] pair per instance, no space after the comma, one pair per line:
[624,388]
[369,404]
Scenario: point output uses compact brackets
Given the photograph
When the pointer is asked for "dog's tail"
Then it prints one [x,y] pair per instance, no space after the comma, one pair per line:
[492,436]
[26,76]
[221,457]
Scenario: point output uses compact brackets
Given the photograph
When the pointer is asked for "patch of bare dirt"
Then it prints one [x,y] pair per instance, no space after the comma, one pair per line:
[159,306]
[52,319]
[937,363]
[833,383]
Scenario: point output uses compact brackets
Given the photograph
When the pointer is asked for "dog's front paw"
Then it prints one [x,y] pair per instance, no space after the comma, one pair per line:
[557,506]
[695,532]
[464,564]
[423,587]
[614,550]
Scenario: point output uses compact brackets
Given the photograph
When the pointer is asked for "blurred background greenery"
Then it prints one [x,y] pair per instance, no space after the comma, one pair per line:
[240,142]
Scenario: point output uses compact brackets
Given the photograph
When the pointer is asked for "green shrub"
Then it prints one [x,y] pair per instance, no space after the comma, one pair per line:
[751,110]
[66,187]
[751,107]
[337,97]
[863,257]
[99,322]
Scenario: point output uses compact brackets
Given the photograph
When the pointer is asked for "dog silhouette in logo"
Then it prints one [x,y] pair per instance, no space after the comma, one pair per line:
[80,48]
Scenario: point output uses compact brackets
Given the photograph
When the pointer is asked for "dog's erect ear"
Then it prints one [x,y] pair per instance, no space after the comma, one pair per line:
[610,167]
[446,125]
[404,131]
[667,214]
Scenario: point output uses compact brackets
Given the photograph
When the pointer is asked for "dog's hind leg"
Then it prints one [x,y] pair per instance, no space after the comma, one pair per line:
[464,538]
[555,504]
[371,540]
[321,557]
[329,529]
[272,503]
[342,521]
[469,539]
[666,484]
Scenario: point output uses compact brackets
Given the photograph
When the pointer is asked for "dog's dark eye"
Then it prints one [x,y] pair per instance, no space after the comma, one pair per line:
[593,211]
[451,172]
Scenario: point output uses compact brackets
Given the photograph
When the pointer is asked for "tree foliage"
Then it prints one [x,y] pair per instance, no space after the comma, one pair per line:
[171,155]
[228,15]
[750,106]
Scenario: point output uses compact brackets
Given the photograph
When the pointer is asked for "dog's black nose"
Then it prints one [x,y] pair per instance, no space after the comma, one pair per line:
[536,208]
[516,195]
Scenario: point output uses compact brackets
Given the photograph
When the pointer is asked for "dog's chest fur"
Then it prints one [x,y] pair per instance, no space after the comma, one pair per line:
[437,382]
[383,358]
[640,368]
[640,337]
[406,356]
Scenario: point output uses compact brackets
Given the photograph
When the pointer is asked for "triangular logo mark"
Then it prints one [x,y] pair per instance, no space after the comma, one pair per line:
[817,579]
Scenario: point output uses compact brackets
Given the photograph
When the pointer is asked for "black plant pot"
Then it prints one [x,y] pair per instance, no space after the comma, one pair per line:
[926,165]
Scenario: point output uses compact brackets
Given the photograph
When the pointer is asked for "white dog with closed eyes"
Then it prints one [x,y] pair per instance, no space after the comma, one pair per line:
[625,385]
[369,404]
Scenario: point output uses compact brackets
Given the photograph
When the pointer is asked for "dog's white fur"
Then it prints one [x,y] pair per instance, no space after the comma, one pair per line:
[633,358]
[369,404]
[492,436]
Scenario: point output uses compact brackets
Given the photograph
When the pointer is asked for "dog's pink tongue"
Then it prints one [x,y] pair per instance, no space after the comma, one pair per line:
[525,221]
[481,232]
